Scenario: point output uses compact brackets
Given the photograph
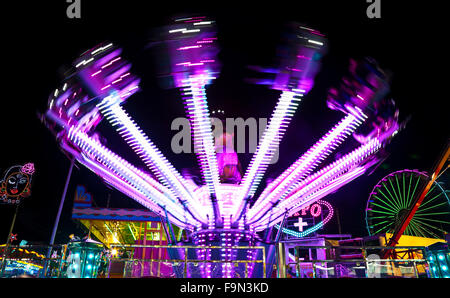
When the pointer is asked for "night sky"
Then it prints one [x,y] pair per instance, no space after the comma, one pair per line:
[39,39]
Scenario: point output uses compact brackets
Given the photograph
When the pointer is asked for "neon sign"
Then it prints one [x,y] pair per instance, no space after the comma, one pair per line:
[314,209]
[16,183]
[301,227]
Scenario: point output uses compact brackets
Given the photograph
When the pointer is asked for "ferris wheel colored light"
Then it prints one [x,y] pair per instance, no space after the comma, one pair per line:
[393,196]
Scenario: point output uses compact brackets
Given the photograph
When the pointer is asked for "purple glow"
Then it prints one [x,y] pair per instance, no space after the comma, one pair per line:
[192,70]
[197,111]
[215,212]
[288,180]
[267,147]
[28,168]
[149,153]
[125,177]
[320,179]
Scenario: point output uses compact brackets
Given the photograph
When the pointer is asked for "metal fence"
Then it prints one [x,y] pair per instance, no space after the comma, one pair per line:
[141,261]
[354,262]
[183,261]
[165,261]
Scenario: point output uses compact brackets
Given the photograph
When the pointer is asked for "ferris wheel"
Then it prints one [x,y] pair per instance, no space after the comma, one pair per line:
[392,197]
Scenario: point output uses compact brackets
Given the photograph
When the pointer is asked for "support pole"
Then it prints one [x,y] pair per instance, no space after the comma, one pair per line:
[278,236]
[272,251]
[171,240]
[281,268]
[144,249]
[268,234]
[163,224]
[61,203]
[404,221]
[58,215]
[90,228]
[169,226]
[8,241]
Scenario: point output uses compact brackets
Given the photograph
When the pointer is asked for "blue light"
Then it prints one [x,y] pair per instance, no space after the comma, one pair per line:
[89,267]
[444,267]
[441,257]
[91,256]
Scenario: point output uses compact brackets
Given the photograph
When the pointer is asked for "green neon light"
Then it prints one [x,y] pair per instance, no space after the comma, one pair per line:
[393,204]
[385,228]
[435,213]
[391,216]
[430,219]
[430,190]
[428,225]
[414,191]
[395,193]
[385,208]
[383,212]
[408,230]
[409,189]
[132,234]
[390,206]
[180,232]
[419,230]
[399,192]
[432,199]
[431,207]
[404,191]
[428,231]
[414,231]
[382,222]
[393,198]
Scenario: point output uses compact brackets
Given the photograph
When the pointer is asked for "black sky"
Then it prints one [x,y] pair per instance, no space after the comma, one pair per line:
[38,39]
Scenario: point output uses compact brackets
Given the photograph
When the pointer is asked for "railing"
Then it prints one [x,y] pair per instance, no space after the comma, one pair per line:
[150,261]
[183,261]
[188,264]
[343,262]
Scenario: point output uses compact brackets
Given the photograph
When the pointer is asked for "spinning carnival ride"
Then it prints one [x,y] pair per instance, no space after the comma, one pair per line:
[219,213]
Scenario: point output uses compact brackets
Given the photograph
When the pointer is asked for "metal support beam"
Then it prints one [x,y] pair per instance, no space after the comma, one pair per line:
[416,203]
[281,256]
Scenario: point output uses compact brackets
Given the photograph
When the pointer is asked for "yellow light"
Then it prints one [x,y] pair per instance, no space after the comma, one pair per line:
[30,264]
[114,252]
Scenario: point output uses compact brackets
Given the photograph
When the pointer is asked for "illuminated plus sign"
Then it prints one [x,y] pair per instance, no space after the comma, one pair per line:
[300,224]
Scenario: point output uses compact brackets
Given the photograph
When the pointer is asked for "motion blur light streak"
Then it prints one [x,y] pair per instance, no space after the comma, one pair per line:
[304,165]
[268,146]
